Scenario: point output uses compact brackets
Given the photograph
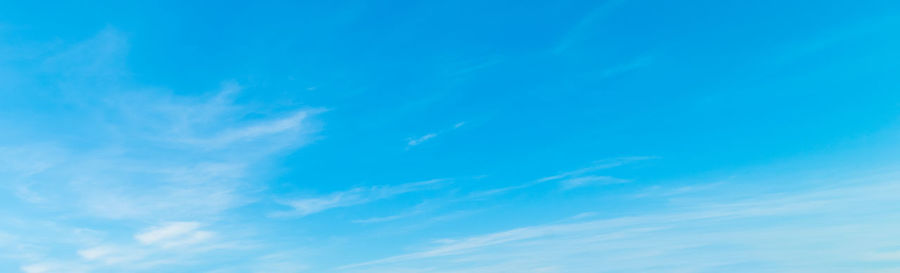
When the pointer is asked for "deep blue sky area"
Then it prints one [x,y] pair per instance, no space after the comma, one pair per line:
[449,136]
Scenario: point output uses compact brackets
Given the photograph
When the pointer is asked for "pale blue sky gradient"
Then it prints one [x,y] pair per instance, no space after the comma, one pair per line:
[450,136]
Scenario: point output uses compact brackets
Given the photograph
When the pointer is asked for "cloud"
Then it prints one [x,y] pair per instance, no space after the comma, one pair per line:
[419,140]
[29,160]
[705,235]
[167,157]
[584,26]
[386,218]
[893,256]
[100,58]
[154,191]
[95,252]
[632,65]
[199,169]
[109,255]
[213,122]
[472,67]
[278,262]
[53,267]
[590,180]
[572,179]
[159,156]
[291,123]
[599,165]
[165,244]
[267,128]
[356,196]
[37,268]
[174,234]
[660,191]
[112,150]
[418,209]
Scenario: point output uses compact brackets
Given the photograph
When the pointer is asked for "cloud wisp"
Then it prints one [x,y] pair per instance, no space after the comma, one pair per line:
[142,154]
[748,229]
[572,179]
[419,140]
[352,197]
[584,26]
[174,234]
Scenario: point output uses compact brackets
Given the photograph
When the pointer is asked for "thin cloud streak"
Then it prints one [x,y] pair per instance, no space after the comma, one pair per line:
[589,180]
[174,234]
[571,179]
[584,26]
[633,241]
[143,154]
[356,196]
[419,140]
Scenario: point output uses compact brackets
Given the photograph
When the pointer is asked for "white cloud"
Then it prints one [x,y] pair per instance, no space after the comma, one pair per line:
[585,25]
[175,156]
[174,234]
[292,123]
[166,231]
[418,209]
[168,193]
[37,268]
[572,179]
[143,154]
[53,267]
[279,263]
[24,161]
[696,237]
[893,256]
[352,197]
[599,165]
[660,191]
[419,140]
[95,252]
[114,255]
[582,181]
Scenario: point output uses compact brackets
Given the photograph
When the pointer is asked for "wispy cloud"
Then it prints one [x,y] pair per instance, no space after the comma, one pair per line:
[96,252]
[588,180]
[660,191]
[703,235]
[53,267]
[195,167]
[112,255]
[173,234]
[418,209]
[353,197]
[573,179]
[419,140]
[629,66]
[144,154]
[292,122]
[584,26]
[599,165]
[29,160]
[210,122]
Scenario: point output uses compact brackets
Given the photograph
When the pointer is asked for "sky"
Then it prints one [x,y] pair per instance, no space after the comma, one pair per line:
[450,136]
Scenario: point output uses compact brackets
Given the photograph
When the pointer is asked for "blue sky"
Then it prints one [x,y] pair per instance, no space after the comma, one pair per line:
[450,136]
